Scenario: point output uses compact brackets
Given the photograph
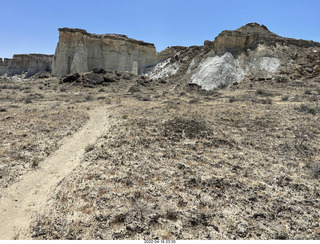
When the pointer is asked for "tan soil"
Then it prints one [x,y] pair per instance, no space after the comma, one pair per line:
[23,199]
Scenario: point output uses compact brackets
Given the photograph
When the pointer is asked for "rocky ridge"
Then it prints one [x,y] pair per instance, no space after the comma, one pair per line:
[27,64]
[251,50]
[249,37]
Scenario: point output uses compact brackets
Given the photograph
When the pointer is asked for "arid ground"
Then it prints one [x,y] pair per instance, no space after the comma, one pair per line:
[155,159]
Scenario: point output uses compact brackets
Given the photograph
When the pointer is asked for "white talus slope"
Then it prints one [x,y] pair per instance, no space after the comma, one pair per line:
[224,70]
[215,71]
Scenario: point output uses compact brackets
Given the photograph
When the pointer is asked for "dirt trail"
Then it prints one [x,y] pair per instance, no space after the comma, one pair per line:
[26,197]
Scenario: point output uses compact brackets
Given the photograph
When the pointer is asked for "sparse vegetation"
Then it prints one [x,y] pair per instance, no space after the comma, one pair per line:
[89,148]
[316,171]
[28,100]
[308,108]
[88,98]
[35,162]
[201,165]
[134,89]
[264,93]
[63,89]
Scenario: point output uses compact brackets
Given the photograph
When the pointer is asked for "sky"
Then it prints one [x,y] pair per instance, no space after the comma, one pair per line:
[32,26]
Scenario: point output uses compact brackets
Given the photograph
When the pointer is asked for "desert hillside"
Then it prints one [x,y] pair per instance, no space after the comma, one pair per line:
[114,155]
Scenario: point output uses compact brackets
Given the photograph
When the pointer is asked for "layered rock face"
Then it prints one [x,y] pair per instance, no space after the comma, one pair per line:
[79,51]
[29,64]
[4,64]
[251,50]
[249,37]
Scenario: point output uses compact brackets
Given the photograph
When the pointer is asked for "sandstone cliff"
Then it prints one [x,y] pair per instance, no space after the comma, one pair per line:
[79,51]
[4,64]
[30,64]
[249,37]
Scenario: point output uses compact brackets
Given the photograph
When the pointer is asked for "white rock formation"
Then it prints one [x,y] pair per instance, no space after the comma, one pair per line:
[164,69]
[215,71]
[224,70]
[135,68]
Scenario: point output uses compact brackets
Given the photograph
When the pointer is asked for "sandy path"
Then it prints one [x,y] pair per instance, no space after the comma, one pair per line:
[27,196]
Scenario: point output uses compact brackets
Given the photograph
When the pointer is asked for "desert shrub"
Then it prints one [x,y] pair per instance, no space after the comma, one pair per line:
[88,98]
[180,127]
[35,162]
[172,215]
[316,171]
[314,98]
[266,101]
[262,101]
[37,95]
[296,98]
[285,98]
[89,148]
[134,89]
[204,92]
[282,79]
[143,97]
[222,86]
[308,108]
[5,86]
[264,93]
[233,99]
[63,89]
[194,100]
[27,100]
[308,92]
[303,136]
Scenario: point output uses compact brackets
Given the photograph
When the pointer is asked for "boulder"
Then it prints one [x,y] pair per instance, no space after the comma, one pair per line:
[70,78]
[93,78]
[110,77]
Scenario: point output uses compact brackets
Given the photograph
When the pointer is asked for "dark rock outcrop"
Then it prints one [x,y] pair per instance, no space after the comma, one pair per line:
[100,77]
